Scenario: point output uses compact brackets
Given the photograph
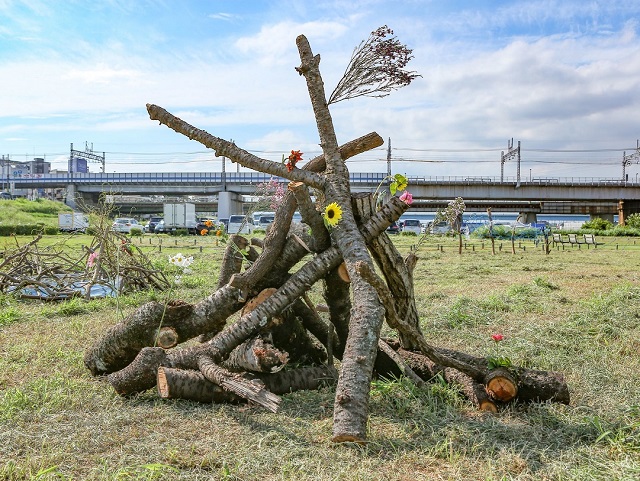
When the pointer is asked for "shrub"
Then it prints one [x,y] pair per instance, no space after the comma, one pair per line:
[135,232]
[50,230]
[179,232]
[408,233]
[21,229]
[633,221]
[597,224]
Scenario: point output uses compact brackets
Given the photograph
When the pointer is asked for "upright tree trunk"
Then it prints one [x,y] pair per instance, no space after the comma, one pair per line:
[352,393]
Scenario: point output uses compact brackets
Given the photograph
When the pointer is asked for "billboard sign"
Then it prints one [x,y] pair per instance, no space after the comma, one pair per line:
[80,165]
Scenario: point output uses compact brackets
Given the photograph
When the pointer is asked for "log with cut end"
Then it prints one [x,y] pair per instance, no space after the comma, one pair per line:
[167,338]
[501,384]
[193,385]
[426,369]
[532,385]
[238,385]
[256,355]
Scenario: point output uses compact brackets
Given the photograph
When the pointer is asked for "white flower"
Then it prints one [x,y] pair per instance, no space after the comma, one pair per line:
[181,261]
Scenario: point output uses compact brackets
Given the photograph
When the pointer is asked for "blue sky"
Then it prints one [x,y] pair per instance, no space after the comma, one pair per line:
[561,76]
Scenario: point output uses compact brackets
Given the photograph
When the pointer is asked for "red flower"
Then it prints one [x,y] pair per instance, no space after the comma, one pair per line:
[295,156]
[290,166]
[497,337]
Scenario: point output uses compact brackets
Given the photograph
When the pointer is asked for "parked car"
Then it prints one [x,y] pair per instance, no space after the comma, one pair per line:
[153,222]
[265,221]
[412,225]
[224,221]
[6,196]
[209,224]
[394,228]
[159,228]
[439,227]
[240,224]
[125,224]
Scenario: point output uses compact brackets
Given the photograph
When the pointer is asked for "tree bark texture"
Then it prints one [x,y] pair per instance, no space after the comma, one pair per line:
[122,342]
[533,385]
[398,274]
[352,393]
[218,348]
[424,367]
[193,385]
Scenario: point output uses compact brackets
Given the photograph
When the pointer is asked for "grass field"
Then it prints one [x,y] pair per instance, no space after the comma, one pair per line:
[574,311]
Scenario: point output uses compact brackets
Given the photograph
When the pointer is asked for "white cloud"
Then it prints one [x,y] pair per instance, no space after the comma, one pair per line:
[223,16]
[275,44]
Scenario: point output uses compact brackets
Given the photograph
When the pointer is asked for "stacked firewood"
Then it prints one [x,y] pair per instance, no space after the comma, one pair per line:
[145,350]
[280,326]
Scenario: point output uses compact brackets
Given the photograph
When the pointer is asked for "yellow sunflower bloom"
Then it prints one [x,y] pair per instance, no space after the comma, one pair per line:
[332,214]
[204,232]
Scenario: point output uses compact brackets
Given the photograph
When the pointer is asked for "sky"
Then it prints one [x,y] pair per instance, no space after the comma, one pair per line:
[560,76]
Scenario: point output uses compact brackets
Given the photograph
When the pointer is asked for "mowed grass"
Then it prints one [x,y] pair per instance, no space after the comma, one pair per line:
[574,311]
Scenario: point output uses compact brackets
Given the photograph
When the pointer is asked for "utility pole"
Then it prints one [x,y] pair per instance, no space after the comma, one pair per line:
[389,160]
[224,174]
[511,153]
[87,154]
[633,158]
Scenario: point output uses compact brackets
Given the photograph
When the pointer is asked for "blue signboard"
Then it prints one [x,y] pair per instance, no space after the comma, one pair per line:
[80,165]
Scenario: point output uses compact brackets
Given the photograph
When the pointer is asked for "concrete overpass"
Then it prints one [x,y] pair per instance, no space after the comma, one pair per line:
[574,195]
[591,196]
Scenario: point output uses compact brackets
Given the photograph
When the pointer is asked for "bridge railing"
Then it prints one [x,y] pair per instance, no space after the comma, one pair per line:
[581,181]
[171,177]
[255,178]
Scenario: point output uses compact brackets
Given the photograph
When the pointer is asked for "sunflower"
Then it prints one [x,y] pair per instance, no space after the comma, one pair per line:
[332,214]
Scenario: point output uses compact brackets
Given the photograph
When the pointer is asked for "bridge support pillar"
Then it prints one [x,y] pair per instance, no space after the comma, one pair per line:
[528,217]
[229,203]
[70,197]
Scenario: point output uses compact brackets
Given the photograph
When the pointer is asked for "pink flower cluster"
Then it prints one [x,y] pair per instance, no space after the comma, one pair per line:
[407,197]
[92,259]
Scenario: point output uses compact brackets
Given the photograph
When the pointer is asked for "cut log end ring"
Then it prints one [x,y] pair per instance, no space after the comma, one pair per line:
[501,384]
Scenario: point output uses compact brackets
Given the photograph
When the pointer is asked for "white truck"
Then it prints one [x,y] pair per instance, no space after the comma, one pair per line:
[73,222]
[180,216]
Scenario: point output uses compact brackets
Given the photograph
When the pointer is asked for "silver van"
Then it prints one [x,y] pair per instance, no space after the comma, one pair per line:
[412,225]
[240,224]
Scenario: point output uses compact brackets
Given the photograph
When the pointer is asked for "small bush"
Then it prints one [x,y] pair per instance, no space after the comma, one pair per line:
[21,229]
[179,232]
[51,230]
[135,232]
[408,233]
[633,221]
[597,224]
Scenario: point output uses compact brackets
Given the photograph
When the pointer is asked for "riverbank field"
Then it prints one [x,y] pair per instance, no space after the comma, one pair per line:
[574,310]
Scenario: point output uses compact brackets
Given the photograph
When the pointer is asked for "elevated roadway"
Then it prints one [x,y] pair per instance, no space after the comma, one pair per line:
[570,195]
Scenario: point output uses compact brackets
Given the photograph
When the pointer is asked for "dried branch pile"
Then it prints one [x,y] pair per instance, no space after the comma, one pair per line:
[110,265]
[278,324]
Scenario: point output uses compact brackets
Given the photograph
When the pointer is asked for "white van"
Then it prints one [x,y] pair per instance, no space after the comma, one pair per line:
[412,225]
[240,224]
[265,221]
[256,216]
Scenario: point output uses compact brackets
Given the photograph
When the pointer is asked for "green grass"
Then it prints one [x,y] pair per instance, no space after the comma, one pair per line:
[574,311]
[23,211]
